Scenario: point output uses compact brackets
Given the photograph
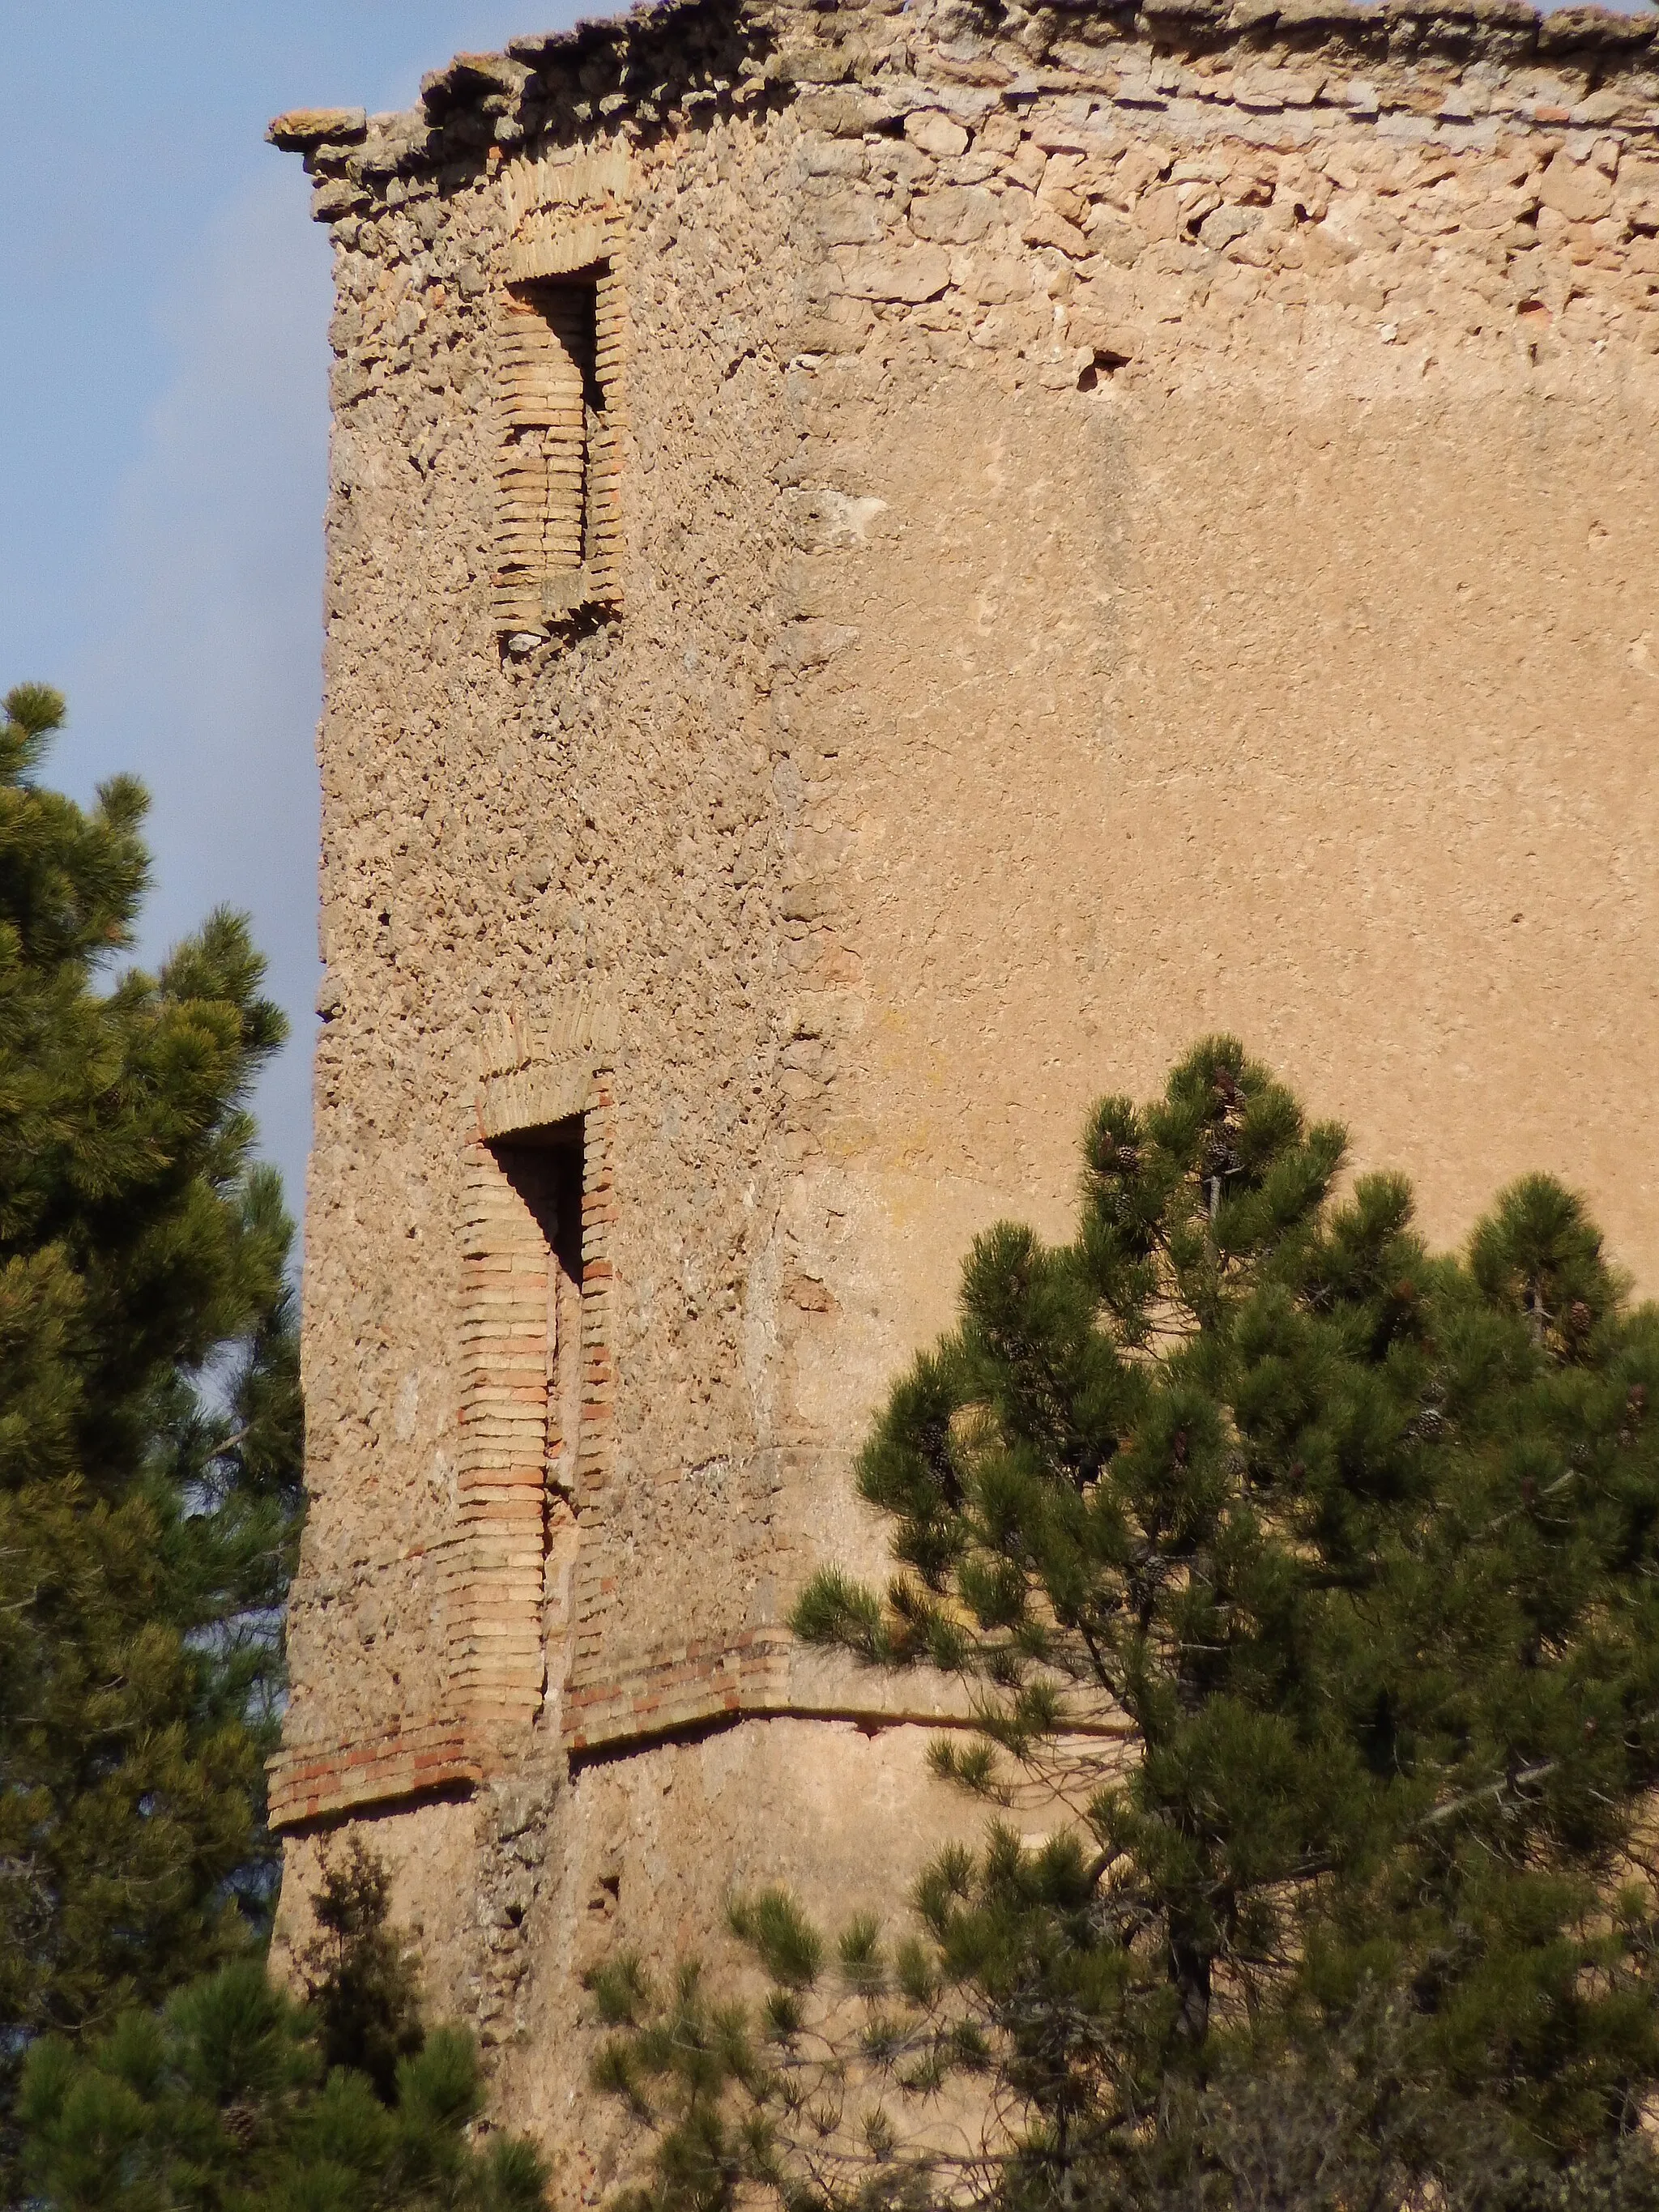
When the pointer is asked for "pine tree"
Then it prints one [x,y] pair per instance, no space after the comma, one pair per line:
[1305,1585]
[227,2098]
[149,1422]
[362,1985]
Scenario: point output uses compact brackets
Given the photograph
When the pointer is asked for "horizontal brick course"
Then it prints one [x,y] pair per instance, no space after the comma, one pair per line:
[408,1759]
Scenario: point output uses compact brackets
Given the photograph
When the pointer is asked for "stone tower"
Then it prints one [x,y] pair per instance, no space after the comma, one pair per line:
[888,566]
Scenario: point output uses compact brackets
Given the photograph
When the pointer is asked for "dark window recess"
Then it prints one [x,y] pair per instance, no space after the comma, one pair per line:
[544,1167]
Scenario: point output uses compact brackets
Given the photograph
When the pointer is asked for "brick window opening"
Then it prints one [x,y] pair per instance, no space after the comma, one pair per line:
[521,1422]
[557,519]
[523,1608]
[545,1170]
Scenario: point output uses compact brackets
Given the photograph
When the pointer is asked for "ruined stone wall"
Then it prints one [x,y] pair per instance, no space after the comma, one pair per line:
[1121,525]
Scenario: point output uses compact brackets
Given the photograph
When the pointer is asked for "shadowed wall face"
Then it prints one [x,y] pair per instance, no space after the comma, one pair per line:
[1099,543]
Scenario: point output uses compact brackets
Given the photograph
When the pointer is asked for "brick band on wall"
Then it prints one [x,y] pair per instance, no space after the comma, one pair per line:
[403,1760]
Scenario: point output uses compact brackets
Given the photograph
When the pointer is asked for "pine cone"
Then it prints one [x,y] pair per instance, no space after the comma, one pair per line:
[240,2122]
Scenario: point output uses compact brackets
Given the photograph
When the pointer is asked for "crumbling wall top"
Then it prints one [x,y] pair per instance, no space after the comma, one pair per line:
[657,66]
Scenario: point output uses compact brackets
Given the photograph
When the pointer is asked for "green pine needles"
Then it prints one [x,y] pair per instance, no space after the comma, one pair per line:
[150,1425]
[234,2099]
[1304,1584]
[150,1456]
[362,1984]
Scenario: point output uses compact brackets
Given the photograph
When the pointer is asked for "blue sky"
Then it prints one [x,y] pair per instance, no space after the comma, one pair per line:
[163,302]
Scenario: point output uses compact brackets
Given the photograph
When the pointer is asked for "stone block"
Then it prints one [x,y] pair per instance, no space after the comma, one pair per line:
[935,133]
[902,273]
[301,128]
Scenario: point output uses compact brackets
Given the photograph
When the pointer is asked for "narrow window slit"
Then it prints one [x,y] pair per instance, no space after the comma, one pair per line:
[522,1424]
[545,1168]
[555,447]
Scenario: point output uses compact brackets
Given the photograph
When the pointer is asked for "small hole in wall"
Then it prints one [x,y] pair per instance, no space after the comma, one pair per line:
[606,1896]
[1104,364]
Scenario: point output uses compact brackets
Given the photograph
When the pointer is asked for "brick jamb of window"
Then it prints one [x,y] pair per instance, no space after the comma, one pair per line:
[561,341]
[525,1485]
